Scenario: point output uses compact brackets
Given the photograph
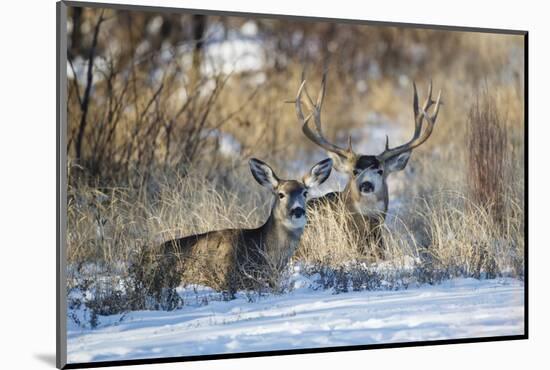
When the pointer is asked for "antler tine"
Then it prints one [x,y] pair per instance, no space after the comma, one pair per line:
[418,117]
[316,109]
[415,101]
[317,137]
[431,120]
[418,137]
[298,103]
[438,103]
[429,100]
[321,96]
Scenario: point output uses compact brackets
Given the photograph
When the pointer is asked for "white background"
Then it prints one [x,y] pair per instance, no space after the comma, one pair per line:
[27,181]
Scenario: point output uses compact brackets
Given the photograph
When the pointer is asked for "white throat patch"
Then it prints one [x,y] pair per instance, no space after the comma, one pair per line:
[369,205]
[295,222]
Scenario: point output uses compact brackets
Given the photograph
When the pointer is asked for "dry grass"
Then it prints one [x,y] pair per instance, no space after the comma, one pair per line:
[465,240]
[107,224]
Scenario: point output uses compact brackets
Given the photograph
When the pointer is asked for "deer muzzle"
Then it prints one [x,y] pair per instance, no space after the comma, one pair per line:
[366,187]
[297,212]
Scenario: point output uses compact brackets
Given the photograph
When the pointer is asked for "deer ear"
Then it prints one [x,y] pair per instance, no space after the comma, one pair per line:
[318,173]
[398,162]
[263,174]
[340,163]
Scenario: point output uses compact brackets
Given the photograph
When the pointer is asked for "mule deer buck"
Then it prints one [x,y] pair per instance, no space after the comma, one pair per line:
[233,259]
[365,196]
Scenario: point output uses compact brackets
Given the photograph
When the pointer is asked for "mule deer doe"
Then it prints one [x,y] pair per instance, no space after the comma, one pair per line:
[365,196]
[234,259]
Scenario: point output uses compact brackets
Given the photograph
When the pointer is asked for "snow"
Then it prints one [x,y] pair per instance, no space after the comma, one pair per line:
[307,318]
[100,68]
[234,51]
[227,51]
[229,146]
[234,55]
[153,27]
[249,29]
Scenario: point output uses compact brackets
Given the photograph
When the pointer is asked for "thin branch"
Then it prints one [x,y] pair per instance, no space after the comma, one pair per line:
[75,82]
[86,99]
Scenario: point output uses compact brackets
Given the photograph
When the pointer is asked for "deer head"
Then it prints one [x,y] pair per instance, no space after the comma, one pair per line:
[367,173]
[290,195]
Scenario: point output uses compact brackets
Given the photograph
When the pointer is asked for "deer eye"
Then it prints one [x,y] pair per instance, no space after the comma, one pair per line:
[305,194]
[355,172]
[281,195]
[380,172]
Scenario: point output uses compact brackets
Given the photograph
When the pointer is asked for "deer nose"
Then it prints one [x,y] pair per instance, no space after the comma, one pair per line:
[297,212]
[366,187]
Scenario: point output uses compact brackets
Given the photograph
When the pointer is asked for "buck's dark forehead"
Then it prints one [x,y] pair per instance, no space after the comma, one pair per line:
[367,161]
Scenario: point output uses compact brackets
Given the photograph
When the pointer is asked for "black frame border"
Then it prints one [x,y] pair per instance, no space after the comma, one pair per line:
[61,194]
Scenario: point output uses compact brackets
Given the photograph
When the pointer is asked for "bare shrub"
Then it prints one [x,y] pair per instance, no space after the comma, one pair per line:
[487,155]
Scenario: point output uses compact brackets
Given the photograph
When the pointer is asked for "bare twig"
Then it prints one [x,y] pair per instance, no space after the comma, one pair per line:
[86,98]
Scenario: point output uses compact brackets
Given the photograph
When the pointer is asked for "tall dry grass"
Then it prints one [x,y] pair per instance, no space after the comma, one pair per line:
[105,225]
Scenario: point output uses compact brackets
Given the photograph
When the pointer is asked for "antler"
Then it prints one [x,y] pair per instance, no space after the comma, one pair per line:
[418,138]
[316,134]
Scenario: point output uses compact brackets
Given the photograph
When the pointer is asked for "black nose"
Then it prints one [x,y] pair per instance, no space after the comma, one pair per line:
[366,187]
[297,212]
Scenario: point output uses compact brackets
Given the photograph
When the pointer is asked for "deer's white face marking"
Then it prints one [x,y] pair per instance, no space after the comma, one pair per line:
[295,222]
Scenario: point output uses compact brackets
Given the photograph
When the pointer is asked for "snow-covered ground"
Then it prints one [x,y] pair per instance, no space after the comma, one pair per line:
[306,318]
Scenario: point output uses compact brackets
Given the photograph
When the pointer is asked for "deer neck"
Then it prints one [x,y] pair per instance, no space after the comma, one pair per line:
[280,238]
